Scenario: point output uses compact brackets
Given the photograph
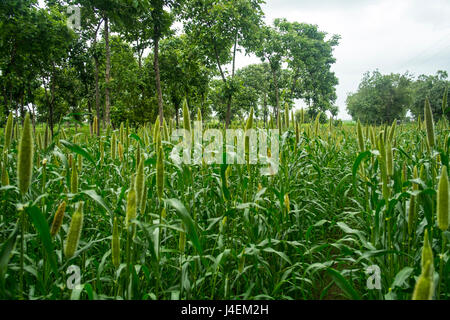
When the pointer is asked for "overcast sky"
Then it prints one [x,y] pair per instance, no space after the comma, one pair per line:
[389,35]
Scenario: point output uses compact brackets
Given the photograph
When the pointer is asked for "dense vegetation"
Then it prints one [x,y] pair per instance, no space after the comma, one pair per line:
[89,184]
[128,60]
[140,226]
[384,98]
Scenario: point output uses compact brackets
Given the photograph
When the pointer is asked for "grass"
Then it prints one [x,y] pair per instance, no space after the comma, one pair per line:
[225,232]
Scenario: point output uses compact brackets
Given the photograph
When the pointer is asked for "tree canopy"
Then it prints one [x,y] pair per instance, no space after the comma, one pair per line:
[136,60]
[384,98]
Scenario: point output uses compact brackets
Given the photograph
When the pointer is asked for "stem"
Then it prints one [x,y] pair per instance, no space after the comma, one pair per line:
[181,277]
[128,257]
[158,279]
[441,266]
[22,249]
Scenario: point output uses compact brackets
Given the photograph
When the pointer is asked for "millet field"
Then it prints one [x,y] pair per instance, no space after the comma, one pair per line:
[354,212]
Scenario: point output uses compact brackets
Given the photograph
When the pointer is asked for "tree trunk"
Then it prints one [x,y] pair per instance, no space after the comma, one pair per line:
[90,116]
[11,102]
[107,73]
[277,96]
[89,102]
[140,54]
[228,117]
[8,71]
[177,110]
[97,93]
[265,110]
[234,55]
[294,82]
[22,109]
[158,81]
[203,102]
[31,110]
[97,72]
[5,97]
[33,114]
[230,95]
[52,95]
[47,99]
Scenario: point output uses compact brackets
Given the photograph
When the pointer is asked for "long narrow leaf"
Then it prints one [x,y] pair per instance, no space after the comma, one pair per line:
[342,283]
[43,229]
[188,222]
[77,149]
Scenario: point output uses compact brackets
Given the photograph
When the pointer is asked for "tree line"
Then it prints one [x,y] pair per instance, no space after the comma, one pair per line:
[383,98]
[140,60]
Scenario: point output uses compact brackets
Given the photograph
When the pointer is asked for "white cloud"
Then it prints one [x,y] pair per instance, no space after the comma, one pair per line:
[392,36]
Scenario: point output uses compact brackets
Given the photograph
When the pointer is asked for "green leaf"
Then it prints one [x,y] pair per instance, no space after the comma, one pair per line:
[281,254]
[402,277]
[150,161]
[7,188]
[403,152]
[345,228]
[219,258]
[342,283]
[61,156]
[77,149]
[43,229]
[149,237]
[321,223]
[357,163]
[444,101]
[94,196]
[226,192]
[90,292]
[379,253]
[6,250]
[138,139]
[188,222]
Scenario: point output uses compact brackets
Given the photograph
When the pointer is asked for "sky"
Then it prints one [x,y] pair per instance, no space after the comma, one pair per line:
[389,35]
[393,36]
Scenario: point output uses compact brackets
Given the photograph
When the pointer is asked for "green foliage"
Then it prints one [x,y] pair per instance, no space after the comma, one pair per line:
[432,87]
[33,47]
[184,73]
[380,98]
[218,28]
[383,98]
[345,198]
[310,57]
[328,213]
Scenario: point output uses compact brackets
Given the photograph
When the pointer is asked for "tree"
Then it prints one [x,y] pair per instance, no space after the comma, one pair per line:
[91,22]
[34,45]
[161,22]
[433,88]
[185,73]
[380,98]
[126,84]
[256,80]
[219,27]
[56,42]
[309,57]
[271,49]
[150,25]
[16,35]
[115,12]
